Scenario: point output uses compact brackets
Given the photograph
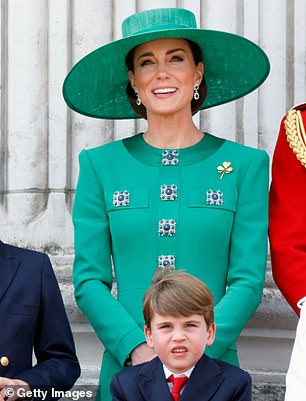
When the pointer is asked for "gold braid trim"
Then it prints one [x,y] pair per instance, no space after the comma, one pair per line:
[296,136]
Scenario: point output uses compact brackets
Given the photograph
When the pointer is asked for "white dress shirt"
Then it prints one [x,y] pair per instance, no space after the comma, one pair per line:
[168,373]
[296,375]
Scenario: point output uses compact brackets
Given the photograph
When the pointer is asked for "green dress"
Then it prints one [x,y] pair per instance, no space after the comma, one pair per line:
[139,208]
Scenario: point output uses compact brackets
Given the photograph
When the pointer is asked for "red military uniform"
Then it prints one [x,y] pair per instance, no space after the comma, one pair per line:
[287,221]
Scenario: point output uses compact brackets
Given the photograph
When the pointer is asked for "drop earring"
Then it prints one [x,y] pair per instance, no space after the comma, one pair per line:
[196,94]
[138,100]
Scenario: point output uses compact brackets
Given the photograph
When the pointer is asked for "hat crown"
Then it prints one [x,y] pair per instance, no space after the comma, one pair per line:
[158,19]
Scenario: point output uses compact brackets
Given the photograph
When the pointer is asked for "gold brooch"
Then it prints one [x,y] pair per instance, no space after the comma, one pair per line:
[225,168]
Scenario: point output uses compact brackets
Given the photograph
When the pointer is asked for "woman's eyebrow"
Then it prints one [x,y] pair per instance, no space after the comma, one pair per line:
[146,54]
[175,50]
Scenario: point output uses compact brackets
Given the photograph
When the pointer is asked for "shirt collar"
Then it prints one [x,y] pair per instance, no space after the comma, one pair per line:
[168,372]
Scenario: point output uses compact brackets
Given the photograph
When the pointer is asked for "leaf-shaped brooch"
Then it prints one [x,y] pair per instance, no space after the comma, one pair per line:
[226,168]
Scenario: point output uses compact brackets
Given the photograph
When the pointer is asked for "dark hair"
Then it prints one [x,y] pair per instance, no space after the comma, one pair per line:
[177,293]
[195,104]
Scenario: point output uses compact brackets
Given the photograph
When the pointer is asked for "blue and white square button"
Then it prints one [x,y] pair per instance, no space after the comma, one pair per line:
[168,192]
[166,262]
[170,157]
[166,228]
[121,198]
[214,197]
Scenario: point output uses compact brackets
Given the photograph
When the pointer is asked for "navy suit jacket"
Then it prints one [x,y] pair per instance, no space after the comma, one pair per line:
[210,380]
[33,317]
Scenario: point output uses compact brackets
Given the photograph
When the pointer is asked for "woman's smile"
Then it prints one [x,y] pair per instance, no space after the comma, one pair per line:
[164,93]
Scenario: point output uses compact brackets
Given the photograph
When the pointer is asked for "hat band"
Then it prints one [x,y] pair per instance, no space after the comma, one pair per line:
[157,28]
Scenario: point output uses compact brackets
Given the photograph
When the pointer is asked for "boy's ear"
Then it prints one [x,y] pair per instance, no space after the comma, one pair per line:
[211,334]
[148,334]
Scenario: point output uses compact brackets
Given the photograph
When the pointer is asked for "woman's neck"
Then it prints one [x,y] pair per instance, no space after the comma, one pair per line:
[171,135]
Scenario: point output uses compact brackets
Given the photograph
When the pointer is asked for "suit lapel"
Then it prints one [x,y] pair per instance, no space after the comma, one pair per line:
[8,267]
[204,381]
[152,382]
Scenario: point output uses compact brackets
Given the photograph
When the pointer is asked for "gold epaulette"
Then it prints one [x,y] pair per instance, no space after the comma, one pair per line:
[295,132]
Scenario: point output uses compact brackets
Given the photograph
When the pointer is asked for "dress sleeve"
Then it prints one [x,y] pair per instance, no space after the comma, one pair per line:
[92,271]
[247,256]
[287,227]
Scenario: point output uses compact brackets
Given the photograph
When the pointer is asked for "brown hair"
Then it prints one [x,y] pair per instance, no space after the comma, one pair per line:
[177,293]
[195,104]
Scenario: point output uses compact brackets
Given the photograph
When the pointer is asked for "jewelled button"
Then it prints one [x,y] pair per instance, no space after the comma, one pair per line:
[168,192]
[214,197]
[170,157]
[121,198]
[166,228]
[166,262]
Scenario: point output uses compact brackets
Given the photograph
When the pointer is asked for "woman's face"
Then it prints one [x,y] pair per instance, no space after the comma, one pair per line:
[164,75]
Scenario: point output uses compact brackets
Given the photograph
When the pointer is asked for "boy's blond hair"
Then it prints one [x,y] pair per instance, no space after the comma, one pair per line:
[177,293]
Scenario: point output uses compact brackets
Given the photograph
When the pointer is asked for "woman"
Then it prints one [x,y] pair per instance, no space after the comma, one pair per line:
[173,196]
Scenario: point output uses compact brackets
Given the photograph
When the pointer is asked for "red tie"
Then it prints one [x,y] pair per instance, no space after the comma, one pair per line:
[178,383]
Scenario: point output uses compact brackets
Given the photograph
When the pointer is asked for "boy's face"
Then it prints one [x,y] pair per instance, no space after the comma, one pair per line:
[179,341]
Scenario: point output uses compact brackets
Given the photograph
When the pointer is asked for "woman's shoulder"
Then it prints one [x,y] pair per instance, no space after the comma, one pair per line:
[109,153]
[244,151]
[105,148]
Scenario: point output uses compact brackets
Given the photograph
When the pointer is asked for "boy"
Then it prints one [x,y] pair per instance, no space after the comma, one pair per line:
[33,318]
[178,309]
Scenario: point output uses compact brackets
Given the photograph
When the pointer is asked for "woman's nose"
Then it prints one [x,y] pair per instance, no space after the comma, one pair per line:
[162,71]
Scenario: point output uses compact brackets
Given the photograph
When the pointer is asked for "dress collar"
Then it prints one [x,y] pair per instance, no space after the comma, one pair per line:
[150,155]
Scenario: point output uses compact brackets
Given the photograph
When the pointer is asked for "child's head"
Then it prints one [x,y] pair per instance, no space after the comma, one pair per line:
[178,310]
[177,293]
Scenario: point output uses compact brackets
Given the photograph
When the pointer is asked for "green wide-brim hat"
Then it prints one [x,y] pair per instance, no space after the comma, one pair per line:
[96,85]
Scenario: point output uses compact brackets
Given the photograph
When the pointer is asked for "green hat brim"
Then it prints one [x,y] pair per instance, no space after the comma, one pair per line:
[96,86]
